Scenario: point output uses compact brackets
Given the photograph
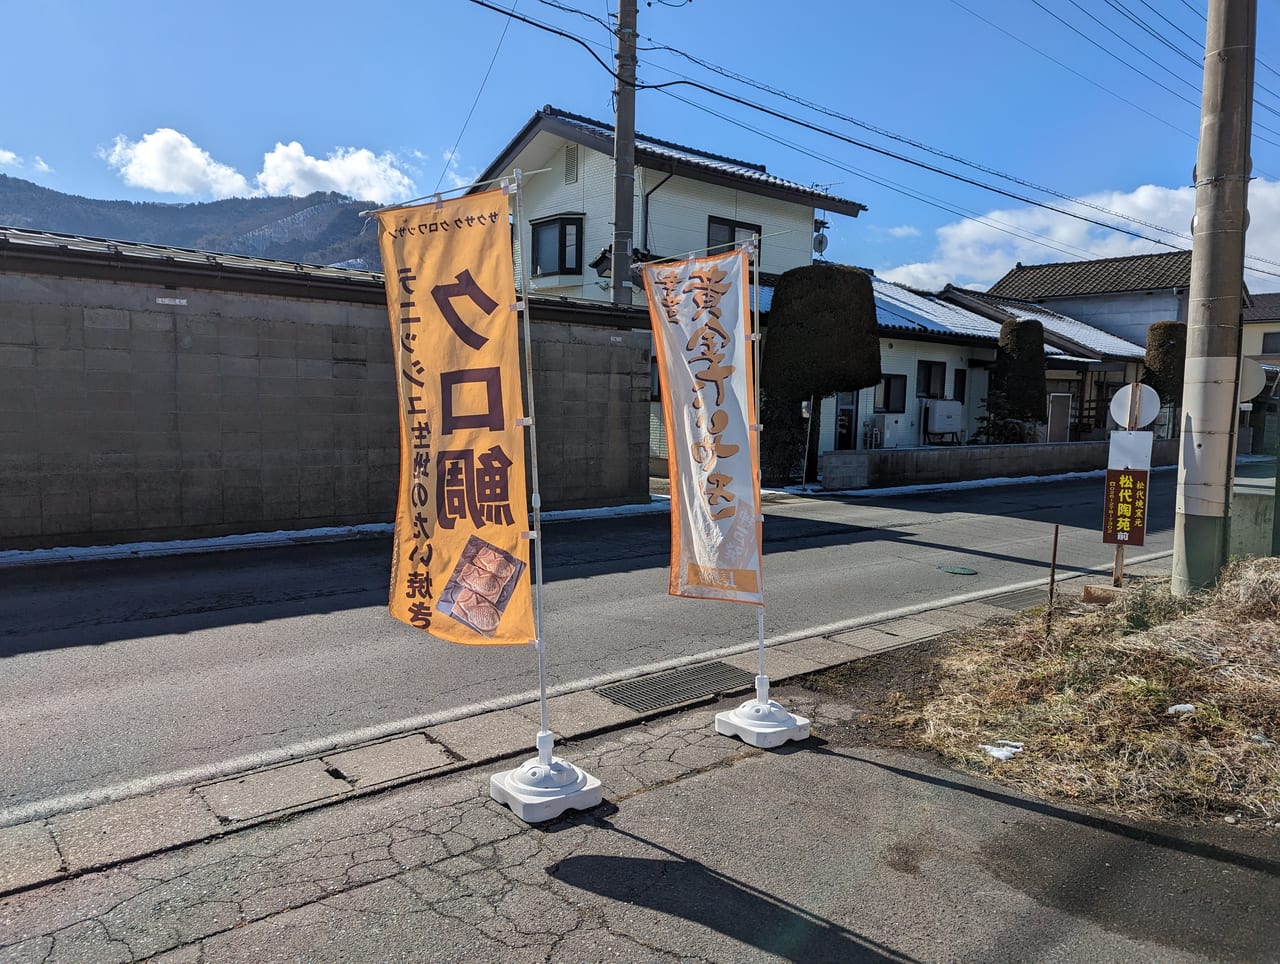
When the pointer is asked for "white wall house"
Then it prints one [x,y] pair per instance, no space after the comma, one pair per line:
[1123,296]
[1260,336]
[1086,365]
[684,200]
[934,359]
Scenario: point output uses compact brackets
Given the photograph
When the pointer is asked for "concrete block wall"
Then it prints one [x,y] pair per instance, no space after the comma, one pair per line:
[873,468]
[591,398]
[132,412]
[1250,523]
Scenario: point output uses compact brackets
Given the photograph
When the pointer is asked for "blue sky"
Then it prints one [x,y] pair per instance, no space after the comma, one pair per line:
[178,102]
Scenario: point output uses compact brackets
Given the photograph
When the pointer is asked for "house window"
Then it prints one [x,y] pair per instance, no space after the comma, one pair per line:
[960,384]
[1271,343]
[557,246]
[931,379]
[891,394]
[724,235]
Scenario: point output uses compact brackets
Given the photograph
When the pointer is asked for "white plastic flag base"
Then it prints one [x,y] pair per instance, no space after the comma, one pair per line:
[762,722]
[545,787]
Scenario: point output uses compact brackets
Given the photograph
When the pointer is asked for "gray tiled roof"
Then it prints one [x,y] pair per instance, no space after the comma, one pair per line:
[714,162]
[1142,272]
[901,309]
[142,252]
[1262,307]
[1085,335]
[665,155]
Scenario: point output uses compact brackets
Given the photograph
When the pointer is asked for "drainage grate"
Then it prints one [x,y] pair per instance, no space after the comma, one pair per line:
[1020,600]
[676,686]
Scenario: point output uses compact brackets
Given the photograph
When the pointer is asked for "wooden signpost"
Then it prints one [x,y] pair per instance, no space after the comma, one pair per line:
[1124,514]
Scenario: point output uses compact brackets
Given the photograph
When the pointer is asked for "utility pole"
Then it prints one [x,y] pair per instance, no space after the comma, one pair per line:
[624,154]
[1206,468]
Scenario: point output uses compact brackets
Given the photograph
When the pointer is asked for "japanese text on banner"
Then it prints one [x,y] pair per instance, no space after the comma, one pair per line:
[460,566]
[698,310]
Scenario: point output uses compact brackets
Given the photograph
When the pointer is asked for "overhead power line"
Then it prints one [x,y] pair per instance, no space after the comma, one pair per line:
[453,153]
[1002,226]
[902,139]
[894,155]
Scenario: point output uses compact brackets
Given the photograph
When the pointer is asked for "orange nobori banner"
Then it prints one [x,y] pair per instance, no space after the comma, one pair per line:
[698,309]
[460,566]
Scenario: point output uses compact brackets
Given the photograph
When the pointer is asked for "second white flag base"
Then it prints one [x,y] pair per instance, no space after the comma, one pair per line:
[545,787]
[762,722]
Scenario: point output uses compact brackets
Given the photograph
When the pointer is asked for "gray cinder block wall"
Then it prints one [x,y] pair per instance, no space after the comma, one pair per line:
[132,411]
[591,399]
[869,468]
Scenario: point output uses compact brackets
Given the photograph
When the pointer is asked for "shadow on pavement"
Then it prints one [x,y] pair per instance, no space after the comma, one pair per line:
[1194,848]
[686,889]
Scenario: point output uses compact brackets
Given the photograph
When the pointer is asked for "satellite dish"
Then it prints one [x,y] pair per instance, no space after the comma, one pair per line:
[819,243]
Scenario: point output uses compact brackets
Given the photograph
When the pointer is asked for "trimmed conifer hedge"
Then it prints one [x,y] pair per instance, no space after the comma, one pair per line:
[1166,358]
[822,339]
[1020,369]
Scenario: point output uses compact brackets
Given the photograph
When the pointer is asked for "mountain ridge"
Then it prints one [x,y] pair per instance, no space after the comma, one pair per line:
[322,228]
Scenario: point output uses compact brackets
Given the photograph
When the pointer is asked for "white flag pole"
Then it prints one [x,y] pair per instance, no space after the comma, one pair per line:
[544,787]
[762,678]
[760,722]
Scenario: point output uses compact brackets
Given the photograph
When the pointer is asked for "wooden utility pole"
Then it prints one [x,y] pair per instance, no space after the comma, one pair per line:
[1210,413]
[624,154]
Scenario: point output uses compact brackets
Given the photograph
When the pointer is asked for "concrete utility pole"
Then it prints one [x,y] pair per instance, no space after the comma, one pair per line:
[1206,468]
[624,154]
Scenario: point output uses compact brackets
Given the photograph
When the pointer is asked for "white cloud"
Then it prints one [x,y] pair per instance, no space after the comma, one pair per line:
[9,159]
[452,172]
[171,163]
[41,166]
[971,253]
[904,231]
[356,172]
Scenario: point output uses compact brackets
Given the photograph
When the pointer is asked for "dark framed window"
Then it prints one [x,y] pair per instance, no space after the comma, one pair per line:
[557,246]
[931,379]
[1271,343]
[891,394]
[846,420]
[725,235]
[960,384]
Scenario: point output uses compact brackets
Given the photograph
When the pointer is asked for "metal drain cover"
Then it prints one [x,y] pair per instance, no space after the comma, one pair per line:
[1023,599]
[676,686]
[959,570]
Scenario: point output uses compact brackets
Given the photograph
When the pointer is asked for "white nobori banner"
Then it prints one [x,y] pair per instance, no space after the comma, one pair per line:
[698,309]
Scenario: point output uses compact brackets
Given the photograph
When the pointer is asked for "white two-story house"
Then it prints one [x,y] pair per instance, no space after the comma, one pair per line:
[685,200]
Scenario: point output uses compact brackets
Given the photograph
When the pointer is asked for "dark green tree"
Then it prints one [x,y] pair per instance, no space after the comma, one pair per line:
[1166,357]
[822,339]
[1019,371]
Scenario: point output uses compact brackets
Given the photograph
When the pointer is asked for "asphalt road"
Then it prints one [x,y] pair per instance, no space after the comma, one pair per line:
[124,671]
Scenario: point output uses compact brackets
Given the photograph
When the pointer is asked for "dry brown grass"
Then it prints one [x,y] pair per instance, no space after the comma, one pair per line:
[1089,702]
